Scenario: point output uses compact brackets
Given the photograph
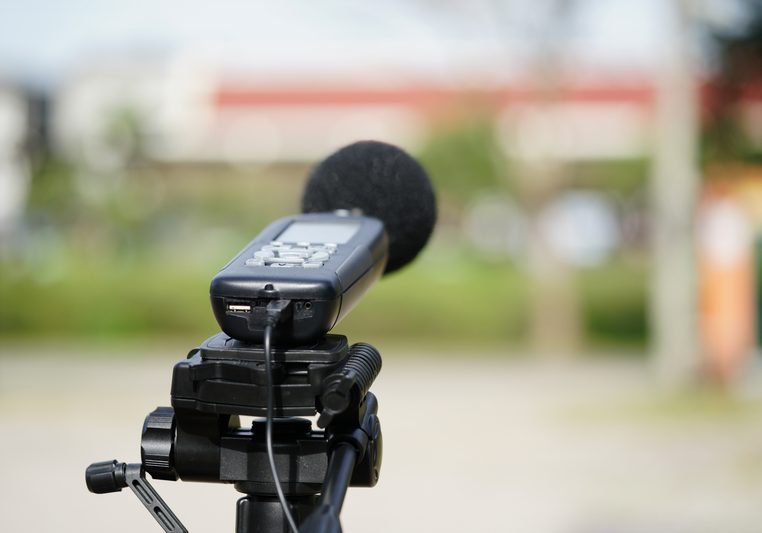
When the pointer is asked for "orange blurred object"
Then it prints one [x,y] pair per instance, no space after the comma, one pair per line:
[727,282]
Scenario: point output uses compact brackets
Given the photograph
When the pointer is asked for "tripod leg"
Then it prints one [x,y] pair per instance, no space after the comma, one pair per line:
[325,518]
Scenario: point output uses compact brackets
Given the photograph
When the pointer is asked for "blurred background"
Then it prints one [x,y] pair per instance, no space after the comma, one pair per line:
[577,349]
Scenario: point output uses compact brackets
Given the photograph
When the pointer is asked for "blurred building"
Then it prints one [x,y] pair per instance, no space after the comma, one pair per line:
[187,113]
[23,139]
[181,112]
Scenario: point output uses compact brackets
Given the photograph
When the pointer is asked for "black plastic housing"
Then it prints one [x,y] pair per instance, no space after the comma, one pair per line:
[320,296]
[227,376]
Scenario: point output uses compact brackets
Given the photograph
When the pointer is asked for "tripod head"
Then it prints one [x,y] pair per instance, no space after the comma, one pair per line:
[200,437]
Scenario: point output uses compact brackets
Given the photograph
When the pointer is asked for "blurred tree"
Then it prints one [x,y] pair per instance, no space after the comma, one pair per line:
[465,158]
[52,191]
[739,56]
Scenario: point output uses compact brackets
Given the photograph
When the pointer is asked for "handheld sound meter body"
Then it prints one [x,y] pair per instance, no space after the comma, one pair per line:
[322,262]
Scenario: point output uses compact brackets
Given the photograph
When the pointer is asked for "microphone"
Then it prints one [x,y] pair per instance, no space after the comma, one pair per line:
[384,182]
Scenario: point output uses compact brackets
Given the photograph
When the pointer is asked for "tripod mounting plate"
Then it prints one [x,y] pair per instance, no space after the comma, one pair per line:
[226,376]
[329,349]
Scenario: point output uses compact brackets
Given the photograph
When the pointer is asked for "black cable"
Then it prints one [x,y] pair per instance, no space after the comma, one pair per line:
[269,425]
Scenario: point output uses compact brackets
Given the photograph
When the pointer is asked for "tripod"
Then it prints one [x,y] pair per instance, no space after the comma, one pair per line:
[200,437]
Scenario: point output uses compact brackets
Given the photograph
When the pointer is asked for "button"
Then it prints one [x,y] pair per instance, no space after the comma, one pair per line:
[284,260]
[331,245]
[276,243]
[303,244]
[321,248]
[254,262]
[294,253]
[313,264]
[282,265]
[319,256]
[263,254]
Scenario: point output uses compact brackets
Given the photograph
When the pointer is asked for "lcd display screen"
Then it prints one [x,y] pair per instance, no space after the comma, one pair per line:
[319,232]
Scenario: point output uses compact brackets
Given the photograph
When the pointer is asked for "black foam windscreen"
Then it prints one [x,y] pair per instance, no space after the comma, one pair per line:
[384,182]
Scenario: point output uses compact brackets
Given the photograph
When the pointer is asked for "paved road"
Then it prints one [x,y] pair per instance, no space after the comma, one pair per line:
[471,445]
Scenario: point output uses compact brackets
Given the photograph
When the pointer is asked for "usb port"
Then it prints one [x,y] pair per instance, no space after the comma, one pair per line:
[239,308]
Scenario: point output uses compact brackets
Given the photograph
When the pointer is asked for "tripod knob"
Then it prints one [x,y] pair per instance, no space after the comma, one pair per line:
[158,442]
[349,384]
[106,476]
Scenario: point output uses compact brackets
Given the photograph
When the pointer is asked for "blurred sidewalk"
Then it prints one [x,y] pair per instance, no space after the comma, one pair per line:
[471,444]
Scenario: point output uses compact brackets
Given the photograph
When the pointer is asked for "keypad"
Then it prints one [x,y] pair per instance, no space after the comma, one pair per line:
[278,254]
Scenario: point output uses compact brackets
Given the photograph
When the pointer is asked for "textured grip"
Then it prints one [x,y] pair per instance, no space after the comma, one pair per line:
[365,361]
[158,442]
[105,477]
[350,383]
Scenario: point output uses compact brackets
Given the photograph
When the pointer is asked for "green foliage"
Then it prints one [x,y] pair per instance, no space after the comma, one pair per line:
[463,301]
[465,159]
[445,297]
[622,177]
[105,299]
[614,305]
[52,191]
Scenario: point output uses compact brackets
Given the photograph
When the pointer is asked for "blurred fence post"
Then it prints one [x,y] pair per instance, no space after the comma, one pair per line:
[554,315]
[674,184]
